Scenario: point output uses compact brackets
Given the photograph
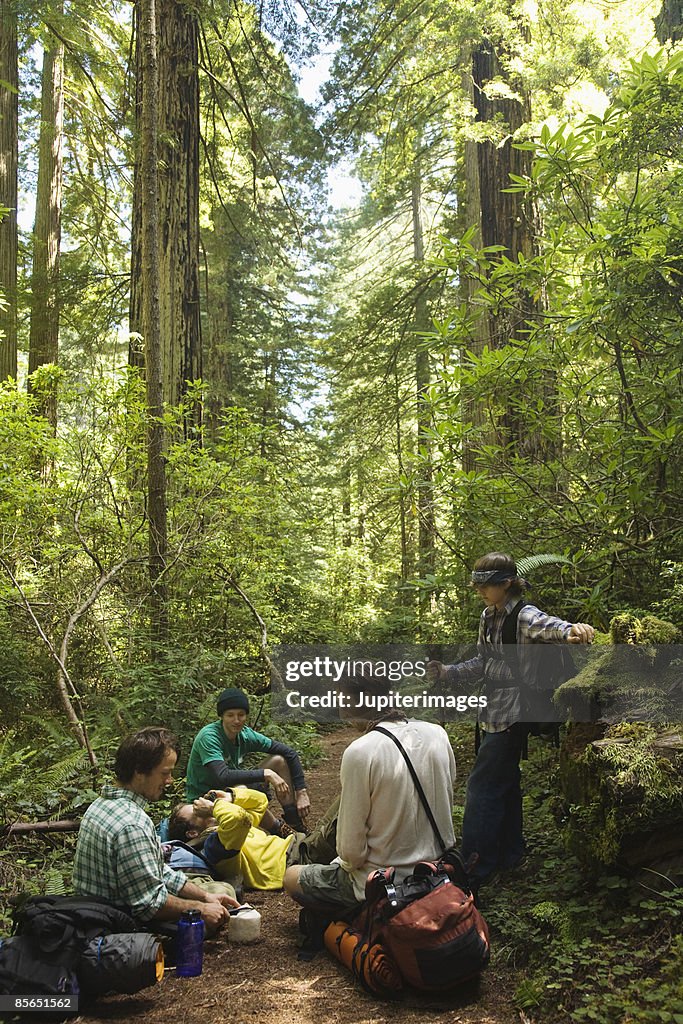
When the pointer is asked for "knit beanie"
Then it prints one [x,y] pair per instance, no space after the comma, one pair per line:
[232,698]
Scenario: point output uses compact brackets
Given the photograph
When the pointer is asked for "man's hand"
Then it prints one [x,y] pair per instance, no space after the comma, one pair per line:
[436,671]
[581,633]
[203,807]
[223,899]
[303,804]
[278,783]
[214,914]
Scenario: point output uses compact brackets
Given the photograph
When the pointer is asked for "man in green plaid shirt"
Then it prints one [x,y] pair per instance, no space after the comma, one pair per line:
[118,854]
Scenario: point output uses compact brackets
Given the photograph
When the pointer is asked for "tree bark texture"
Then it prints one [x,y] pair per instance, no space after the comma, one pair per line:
[150,290]
[218,362]
[178,186]
[44,330]
[402,495]
[473,412]
[22,828]
[508,219]
[669,22]
[9,159]
[425,484]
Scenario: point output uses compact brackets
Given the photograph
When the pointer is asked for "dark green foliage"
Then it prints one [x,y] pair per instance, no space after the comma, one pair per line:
[602,362]
[309,486]
[605,949]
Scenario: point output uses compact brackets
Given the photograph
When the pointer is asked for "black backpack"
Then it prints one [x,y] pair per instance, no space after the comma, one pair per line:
[555,666]
[24,971]
[61,926]
[50,932]
[67,944]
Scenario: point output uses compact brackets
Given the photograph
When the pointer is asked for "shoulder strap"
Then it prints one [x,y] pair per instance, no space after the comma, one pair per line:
[509,630]
[418,786]
[178,844]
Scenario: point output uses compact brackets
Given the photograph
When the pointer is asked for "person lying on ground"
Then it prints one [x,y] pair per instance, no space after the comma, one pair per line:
[217,756]
[381,820]
[223,827]
[118,854]
[492,824]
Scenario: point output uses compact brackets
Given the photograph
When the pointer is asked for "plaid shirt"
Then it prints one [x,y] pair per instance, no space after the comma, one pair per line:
[118,855]
[504,706]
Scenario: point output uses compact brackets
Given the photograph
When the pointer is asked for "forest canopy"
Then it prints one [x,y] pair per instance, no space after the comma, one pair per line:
[304,306]
[235,413]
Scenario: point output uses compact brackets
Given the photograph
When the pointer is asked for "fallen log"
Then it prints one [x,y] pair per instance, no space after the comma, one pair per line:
[23,827]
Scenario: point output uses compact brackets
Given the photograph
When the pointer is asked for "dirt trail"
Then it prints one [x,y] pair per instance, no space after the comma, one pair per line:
[267,984]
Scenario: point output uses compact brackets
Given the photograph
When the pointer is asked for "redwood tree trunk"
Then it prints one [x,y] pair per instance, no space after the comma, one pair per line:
[218,364]
[44,331]
[510,220]
[178,185]
[149,239]
[403,516]
[425,492]
[506,218]
[669,22]
[8,188]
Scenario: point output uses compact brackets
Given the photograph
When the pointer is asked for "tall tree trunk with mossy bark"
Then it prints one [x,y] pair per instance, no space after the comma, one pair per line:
[177,171]
[507,219]
[44,330]
[9,162]
[150,290]
[425,486]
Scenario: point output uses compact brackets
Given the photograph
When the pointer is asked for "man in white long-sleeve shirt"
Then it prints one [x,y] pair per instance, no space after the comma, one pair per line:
[381,820]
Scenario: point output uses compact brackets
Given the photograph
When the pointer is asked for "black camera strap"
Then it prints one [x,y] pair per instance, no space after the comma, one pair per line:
[418,786]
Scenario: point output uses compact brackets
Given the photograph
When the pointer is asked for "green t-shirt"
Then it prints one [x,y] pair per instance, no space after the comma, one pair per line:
[211,744]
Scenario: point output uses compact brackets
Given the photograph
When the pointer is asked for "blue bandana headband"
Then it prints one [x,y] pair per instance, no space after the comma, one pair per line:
[480,577]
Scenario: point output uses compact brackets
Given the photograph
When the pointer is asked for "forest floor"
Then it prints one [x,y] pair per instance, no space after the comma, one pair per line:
[266,983]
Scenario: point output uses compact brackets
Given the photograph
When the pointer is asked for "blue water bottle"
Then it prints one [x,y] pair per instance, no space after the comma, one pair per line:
[190,945]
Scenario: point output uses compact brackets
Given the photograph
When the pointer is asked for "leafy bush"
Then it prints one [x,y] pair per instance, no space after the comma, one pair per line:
[606,950]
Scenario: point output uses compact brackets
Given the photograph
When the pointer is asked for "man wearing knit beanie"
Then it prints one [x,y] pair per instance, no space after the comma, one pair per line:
[232,698]
[219,750]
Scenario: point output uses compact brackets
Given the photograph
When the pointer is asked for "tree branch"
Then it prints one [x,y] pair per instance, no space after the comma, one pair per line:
[275,677]
[64,681]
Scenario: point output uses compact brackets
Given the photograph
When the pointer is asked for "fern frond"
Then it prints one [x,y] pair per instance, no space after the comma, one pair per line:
[61,772]
[14,763]
[206,709]
[530,562]
[51,728]
[5,741]
[54,883]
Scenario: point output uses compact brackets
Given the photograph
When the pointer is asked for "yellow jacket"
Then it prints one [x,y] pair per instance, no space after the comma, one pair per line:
[260,858]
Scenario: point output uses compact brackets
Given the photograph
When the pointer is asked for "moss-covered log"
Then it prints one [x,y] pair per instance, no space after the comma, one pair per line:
[623,780]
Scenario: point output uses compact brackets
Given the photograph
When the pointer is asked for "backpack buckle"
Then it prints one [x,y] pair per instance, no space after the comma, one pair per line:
[392,895]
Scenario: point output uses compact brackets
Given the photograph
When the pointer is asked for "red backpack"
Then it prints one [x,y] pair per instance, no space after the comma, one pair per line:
[429,924]
[424,931]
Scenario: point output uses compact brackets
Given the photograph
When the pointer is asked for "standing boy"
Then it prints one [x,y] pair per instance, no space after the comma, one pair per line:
[492,823]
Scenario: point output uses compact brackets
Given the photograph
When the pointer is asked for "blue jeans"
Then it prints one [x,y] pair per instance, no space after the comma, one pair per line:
[492,824]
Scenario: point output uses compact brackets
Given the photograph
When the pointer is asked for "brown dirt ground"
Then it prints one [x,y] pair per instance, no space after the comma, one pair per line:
[266,983]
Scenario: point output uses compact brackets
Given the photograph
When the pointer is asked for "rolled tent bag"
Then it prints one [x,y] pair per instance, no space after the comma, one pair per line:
[367,959]
[120,963]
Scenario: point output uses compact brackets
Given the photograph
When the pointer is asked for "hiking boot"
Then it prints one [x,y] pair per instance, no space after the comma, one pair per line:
[291,816]
[489,881]
[517,870]
[282,829]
